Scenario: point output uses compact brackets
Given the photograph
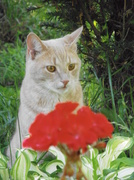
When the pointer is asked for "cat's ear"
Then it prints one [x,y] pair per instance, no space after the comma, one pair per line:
[34,45]
[71,39]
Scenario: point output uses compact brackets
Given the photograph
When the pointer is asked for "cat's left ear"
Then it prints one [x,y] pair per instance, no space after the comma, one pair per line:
[71,39]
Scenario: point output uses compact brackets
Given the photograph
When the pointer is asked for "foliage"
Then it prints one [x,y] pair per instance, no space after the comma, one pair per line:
[12,69]
[12,64]
[26,165]
[8,112]
[20,18]
[109,164]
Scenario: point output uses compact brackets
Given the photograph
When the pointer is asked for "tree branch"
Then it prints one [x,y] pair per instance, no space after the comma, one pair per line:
[124,16]
[96,32]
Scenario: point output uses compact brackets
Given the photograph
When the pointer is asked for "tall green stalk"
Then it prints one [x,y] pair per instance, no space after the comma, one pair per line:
[111,89]
[131,95]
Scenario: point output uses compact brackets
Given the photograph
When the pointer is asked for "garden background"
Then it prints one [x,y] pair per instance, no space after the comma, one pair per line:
[106,49]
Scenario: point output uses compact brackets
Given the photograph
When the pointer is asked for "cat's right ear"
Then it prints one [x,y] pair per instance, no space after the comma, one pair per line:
[34,45]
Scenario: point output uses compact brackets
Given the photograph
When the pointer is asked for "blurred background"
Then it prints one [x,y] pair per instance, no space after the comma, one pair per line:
[106,49]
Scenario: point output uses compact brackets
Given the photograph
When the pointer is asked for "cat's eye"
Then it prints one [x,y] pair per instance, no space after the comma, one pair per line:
[51,68]
[71,67]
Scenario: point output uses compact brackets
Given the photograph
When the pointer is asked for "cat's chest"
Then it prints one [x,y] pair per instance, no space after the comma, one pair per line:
[48,102]
[52,99]
[38,99]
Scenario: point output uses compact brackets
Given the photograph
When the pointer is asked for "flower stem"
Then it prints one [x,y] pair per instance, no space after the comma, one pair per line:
[73,166]
[41,156]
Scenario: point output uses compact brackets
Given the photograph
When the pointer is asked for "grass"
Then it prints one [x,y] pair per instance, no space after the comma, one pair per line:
[9,103]
[12,67]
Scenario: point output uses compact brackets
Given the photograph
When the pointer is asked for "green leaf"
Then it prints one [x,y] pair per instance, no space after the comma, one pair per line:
[90,164]
[87,167]
[114,148]
[21,167]
[4,158]
[121,168]
[34,177]
[131,177]
[124,161]
[51,167]
[35,169]
[124,174]
[109,113]
[106,164]
[59,155]
[108,171]
[36,174]
[111,175]
[3,164]
[87,162]
[4,175]
[31,154]
[93,152]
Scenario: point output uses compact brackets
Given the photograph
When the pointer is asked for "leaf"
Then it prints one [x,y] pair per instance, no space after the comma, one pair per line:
[132,176]
[31,154]
[121,168]
[108,171]
[51,167]
[57,153]
[125,173]
[111,174]
[4,158]
[106,164]
[93,152]
[87,167]
[109,113]
[90,165]
[114,148]
[21,167]
[35,169]
[4,175]
[2,164]
[87,162]
[34,177]
[124,161]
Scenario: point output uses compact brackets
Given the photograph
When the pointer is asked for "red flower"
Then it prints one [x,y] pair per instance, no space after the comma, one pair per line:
[63,125]
[42,133]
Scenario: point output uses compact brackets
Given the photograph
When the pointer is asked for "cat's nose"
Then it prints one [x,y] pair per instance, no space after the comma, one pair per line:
[65,82]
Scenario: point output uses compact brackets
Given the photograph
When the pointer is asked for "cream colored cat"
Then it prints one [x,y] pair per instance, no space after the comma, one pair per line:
[52,76]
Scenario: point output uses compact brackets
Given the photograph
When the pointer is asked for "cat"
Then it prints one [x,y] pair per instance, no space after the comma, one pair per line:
[52,76]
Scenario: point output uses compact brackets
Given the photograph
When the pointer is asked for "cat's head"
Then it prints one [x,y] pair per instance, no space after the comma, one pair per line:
[53,64]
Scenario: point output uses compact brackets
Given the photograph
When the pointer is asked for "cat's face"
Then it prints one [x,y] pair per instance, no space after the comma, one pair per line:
[53,64]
